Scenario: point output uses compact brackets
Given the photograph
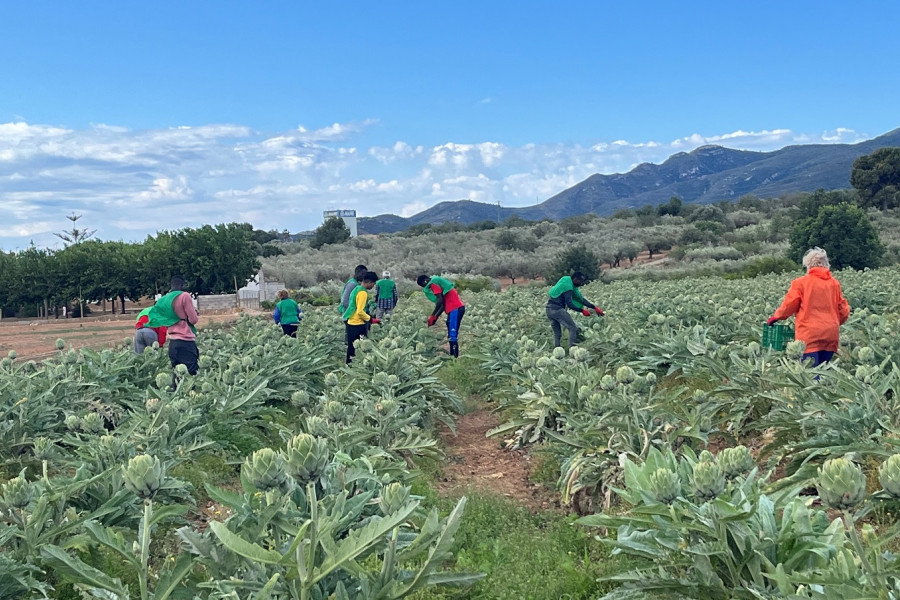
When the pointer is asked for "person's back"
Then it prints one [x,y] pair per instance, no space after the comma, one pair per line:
[385,295]
[819,309]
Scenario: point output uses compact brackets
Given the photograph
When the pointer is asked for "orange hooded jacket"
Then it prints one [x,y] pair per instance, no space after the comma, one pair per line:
[820,307]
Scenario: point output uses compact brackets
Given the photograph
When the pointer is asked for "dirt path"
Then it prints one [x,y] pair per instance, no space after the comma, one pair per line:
[36,339]
[475,462]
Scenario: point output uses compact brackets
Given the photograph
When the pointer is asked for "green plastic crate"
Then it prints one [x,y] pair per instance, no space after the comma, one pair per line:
[776,336]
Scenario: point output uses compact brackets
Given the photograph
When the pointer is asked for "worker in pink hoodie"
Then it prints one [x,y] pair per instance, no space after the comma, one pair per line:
[176,312]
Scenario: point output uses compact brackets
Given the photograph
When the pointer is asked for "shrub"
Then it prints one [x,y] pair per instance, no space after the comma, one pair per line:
[575,258]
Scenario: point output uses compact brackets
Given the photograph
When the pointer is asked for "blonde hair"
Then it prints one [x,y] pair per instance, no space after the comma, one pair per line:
[283,295]
[816,257]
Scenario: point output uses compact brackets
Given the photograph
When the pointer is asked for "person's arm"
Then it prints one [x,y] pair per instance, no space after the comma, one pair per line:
[396,296]
[377,291]
[843,308]
[439,301]
[187,308]
[345,297]
[277,316]
[361,300]
[161,335]
[567,300]
[142,322]
[790,305]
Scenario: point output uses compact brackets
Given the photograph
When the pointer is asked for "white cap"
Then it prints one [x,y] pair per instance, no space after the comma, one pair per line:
[386,275]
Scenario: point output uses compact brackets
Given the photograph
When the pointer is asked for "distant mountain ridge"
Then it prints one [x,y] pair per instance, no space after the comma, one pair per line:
[704,175]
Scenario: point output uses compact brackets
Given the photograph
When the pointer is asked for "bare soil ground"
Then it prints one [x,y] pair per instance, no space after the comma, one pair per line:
[478,463]
[36,338]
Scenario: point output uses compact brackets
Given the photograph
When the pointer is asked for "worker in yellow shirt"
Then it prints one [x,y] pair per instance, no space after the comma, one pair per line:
[355,314]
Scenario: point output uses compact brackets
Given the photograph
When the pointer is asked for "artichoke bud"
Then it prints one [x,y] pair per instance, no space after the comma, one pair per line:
[709,481]
[866,355]
[18,492]
[143,475]
[73,422]
[559,353]
[579,354]
[333,411]
[92,423]
[394,496]
[206,387]
[264,469]
[735,461]
[706,456]
[247,362]
[162,380]
[60,344]
[665,485]
[608,383]
[753,349]
[841,484]
[316,425]
[181,370]
[152,405]
[306,457]
[584,392]
[625,375]
[72,357]
[6,363]
[12,354]
[543,362]
[651,378]
[889,475]
[795,349]
[44,449]
[300,399]
[331,379]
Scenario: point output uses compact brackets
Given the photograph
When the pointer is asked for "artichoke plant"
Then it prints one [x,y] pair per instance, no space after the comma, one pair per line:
[394,496]
[306,458]
[889,475]
[841,484]
[44,449]
[665,485]
[709,481]
[735,461]
[265,470]
[92,423]
[559,353]
[143,475]
[608,383]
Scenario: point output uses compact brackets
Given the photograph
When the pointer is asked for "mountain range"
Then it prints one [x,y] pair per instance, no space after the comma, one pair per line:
[704,175]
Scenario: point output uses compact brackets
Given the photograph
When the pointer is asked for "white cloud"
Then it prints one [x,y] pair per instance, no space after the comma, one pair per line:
[412,208]
[130,183]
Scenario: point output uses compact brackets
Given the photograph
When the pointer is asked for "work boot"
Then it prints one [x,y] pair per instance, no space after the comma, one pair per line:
[454,349]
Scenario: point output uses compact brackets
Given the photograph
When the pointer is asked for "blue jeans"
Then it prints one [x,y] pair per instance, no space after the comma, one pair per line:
[822,356]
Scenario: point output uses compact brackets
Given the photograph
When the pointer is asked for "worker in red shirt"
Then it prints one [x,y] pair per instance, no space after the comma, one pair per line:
[144,336]
[446,300]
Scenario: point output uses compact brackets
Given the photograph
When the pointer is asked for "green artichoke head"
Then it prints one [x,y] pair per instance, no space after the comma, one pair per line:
[18,492]
[841,484]
[665,485]
[735,461]
[306,458]
[625,375]
[265,469]
[709,481]
[143,475]
[393,497]
[889,475]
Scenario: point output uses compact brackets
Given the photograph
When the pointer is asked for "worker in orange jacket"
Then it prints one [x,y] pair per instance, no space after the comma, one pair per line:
[820,306]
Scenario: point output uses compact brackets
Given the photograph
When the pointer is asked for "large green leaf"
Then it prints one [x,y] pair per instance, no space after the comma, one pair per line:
[240,546]
[76,571]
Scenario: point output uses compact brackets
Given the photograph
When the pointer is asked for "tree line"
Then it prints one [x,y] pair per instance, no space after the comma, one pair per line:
[212,259]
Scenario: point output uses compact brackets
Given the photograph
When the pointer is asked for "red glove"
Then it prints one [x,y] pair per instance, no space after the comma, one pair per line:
[585,312]
[432,320]
[374,321]
[599,312]
[771,321]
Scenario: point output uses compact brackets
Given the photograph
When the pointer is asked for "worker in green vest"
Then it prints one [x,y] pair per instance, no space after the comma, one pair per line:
[287,313]
[351,284]
[385,296]
[565,295]
[446,300]
[355,315]
[176,312]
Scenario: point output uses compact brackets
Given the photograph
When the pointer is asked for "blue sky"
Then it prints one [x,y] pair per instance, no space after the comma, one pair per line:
[174,114]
